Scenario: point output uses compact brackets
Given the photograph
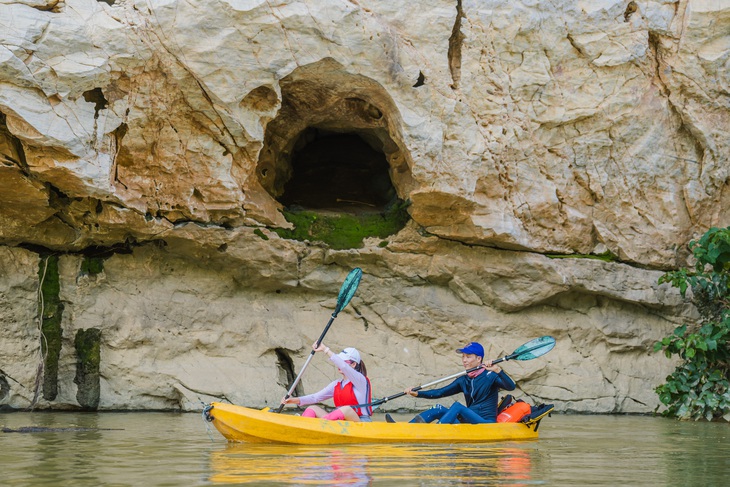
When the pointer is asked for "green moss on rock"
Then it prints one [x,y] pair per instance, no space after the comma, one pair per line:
[605,256]
[261,234]
[344,230]
[92,266]
[88,359]
[50,310]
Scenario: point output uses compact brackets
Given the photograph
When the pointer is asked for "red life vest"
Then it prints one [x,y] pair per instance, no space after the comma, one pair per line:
[345,396]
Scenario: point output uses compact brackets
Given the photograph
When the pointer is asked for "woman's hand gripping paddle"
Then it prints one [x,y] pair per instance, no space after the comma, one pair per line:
[346,292]
[530,350]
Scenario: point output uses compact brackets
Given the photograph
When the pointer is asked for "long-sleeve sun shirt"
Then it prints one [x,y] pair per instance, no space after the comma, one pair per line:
[359,385]
[481,392]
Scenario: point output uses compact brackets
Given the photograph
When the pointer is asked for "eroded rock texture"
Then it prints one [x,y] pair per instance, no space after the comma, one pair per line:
[163,138]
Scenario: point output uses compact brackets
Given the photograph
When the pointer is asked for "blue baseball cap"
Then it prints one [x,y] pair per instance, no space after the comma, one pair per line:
[472,347]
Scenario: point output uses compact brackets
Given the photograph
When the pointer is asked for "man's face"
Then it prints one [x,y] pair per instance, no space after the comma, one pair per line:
[470,360]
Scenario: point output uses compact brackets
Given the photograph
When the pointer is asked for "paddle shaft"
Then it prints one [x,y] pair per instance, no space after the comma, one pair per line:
[454,376]
[418,388]
[304,367]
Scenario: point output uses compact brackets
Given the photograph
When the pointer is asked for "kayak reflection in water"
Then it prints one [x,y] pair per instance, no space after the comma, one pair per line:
[480,388]
[378,464]
[354,388]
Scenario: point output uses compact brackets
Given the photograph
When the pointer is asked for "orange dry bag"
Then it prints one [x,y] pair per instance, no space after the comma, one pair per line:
[514,413]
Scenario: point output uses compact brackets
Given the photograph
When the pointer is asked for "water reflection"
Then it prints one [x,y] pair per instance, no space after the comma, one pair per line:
[169,449]
[47,452]
[698,454]
[360,465]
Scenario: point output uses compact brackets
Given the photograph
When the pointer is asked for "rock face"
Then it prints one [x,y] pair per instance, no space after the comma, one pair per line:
[151,147]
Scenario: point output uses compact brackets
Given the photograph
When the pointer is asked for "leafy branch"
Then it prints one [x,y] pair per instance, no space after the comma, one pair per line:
[699,388]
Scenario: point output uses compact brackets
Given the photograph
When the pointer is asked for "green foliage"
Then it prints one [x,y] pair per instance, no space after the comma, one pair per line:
[699,388]
[344,231]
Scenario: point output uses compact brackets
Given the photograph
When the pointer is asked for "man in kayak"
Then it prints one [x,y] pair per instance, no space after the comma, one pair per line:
[354,388]
[480,388]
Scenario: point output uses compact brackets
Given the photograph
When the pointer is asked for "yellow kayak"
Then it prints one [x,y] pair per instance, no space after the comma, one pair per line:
[238,423]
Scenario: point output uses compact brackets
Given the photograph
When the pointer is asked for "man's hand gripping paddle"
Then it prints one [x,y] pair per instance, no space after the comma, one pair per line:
[530,350]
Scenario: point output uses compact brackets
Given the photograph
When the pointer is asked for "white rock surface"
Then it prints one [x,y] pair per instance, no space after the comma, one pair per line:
[563,127]
[175,333]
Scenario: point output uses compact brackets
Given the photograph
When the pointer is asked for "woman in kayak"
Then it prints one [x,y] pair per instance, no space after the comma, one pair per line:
[354,388]
[480,388]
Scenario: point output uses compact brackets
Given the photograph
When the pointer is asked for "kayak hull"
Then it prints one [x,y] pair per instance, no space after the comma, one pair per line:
[238,423]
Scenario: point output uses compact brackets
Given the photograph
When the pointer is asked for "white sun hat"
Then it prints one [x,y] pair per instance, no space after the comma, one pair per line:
[350,354]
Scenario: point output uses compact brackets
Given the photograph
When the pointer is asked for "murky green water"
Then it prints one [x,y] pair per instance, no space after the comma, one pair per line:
[161,449]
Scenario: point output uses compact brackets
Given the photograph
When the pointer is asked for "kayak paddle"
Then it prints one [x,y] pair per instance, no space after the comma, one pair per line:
[530,350]
[346,292]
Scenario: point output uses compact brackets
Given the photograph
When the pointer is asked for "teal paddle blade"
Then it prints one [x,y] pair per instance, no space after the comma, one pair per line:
[534,348]
[348,289]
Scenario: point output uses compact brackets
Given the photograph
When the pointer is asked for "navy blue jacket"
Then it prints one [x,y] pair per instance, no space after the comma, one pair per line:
[481,393]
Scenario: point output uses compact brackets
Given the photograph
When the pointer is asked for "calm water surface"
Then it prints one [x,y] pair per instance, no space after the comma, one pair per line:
[168,449]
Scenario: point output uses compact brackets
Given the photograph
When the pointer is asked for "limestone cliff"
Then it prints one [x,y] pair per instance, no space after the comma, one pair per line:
[151,153]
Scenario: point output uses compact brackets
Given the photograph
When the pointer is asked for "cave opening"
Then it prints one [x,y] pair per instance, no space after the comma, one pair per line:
[286,372]
[338,171]
[334,160]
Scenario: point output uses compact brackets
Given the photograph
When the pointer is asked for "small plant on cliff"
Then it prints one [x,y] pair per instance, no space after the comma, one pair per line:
[698,388]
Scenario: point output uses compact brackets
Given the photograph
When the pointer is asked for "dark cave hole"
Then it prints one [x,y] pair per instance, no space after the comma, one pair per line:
[4,388]
[339,172]
[96,96]
[421,80]
[286,371]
